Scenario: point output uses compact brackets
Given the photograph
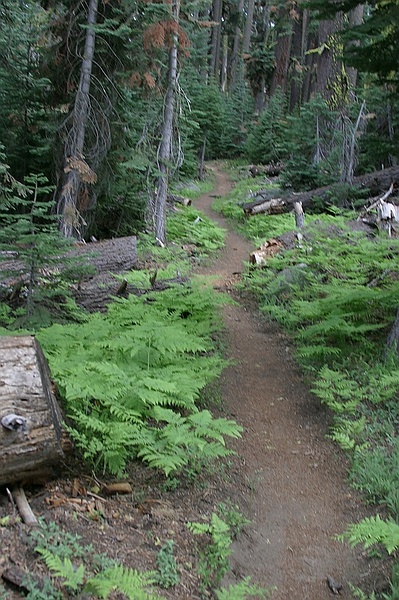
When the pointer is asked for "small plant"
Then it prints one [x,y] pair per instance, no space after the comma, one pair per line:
[213,561]
[45,591]
[394,584]
[242,590]
[234,519]
[358,593]
[99,579]
[167,575]
[371,531]
[40,267]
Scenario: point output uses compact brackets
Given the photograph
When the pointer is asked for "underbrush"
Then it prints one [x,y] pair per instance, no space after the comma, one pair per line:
[336,294]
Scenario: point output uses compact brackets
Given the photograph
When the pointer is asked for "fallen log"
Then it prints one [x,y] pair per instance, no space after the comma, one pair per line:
[372,183]
[31,437]
[273,206]
[269,248]
[174,199]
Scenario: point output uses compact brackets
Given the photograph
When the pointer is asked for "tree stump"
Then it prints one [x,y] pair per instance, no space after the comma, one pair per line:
[31,436]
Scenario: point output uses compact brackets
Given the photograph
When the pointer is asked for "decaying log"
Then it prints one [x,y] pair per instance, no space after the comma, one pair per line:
[273,206]
[266,250]
[173,199]
[31,436]
[374,183]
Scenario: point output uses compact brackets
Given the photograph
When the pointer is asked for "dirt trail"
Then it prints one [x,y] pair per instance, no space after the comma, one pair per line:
[296,491]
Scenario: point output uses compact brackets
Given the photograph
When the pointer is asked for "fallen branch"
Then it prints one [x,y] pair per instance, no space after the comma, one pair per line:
[24,509]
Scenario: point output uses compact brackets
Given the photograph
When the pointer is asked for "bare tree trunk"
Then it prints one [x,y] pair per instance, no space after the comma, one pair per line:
[76,169]
[216,37]
[236,58]
[248,27]
[165,146]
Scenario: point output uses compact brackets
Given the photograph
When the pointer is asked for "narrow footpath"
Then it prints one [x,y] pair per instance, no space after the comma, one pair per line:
[296,491]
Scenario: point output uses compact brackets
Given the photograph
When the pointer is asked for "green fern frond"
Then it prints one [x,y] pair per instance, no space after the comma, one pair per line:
[72,576]
[371,531]
[242,590]
[130,582]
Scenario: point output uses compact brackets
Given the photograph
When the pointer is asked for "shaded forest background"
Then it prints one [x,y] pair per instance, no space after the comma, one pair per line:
[113,101]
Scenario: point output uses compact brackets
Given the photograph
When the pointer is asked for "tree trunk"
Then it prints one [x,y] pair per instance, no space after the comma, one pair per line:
[248,27]
[355,18]
[236,64]
[328,81]
[216,37]
[165,146]
[282,54]
[76,169]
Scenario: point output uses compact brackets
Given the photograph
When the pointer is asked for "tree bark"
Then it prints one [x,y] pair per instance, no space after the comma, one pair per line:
[165,146]
[216,37]
[282,54]
[31,436]
[76,169]
[236,63]
[248,27]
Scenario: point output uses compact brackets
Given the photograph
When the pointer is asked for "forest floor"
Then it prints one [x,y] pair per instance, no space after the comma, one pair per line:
[287,478]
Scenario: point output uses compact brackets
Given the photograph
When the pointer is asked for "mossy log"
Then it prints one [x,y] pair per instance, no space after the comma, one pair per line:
[32,441]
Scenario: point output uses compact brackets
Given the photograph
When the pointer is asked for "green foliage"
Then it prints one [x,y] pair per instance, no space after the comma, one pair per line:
[371,531]
[215,549]
[242,590]
[167,575]
[266,141]
[43,591]
[394,584]
[376,474]
[188,226]
[234,519]
[213,561]
[40,269]
[131,378]
[313,147]
[86,578]
[72,577]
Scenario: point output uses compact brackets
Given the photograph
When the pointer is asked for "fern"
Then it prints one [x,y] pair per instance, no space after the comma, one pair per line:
[371,531]
[242,590]
[73,577]
[128,581]
[118,372]
[191,227]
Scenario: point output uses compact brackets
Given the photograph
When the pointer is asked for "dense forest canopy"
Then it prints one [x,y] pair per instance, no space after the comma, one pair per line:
[111,101]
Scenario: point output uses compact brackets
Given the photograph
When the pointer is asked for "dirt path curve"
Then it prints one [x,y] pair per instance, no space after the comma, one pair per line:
[296,490]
